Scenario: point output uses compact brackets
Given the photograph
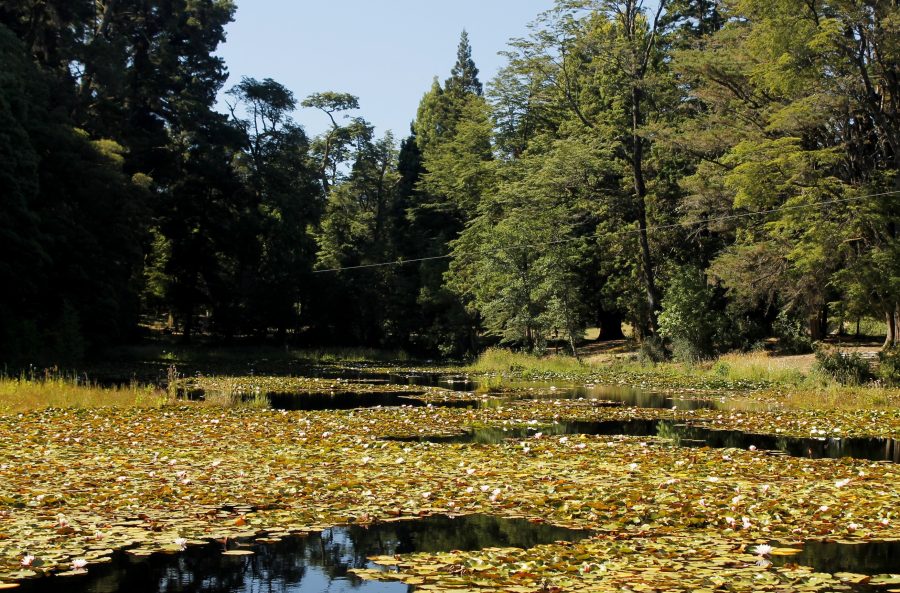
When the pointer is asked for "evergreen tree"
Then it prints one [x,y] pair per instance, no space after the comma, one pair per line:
[464,75]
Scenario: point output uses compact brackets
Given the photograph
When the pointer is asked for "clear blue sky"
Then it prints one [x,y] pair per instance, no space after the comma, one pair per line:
[384,51]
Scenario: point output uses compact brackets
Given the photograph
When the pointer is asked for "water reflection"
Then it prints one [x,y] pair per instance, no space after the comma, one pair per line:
[875,557]
[874,449]
[310,564]
[351,400]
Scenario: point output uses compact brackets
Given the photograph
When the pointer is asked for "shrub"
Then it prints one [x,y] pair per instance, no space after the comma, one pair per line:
[845,368]
[652,351]
[689,318]
[792,335]
[889,367]
[687,351]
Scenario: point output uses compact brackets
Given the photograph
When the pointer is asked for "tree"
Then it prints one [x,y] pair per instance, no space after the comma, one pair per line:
[330,145]
[464,75]
[287,203]
[806,136]
[520,263]
[71,235]
[602,66]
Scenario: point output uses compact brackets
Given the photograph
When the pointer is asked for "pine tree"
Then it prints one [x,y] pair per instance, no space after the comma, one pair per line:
[464,76]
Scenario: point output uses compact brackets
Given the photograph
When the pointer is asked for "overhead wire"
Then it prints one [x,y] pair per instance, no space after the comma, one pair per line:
[622,232]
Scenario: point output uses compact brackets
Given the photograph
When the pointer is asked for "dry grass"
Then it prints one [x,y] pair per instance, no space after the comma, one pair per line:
[837,397]
[761,366]
[23,395]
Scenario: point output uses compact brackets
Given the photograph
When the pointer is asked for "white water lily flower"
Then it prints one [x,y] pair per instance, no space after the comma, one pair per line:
[27,560]
[842,483]
[78,564]
[763,550]
[181,542]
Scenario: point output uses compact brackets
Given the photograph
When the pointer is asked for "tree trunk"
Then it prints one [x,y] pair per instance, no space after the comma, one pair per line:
[818,324]
[610,326]
[893,327]
[640,192]
[188,323]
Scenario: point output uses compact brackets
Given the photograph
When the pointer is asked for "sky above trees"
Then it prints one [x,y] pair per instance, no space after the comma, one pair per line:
[386,53]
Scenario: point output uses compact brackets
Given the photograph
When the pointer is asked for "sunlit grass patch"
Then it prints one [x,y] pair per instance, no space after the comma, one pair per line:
[838,397]
[760,366]
[501,360]
[350,355]
[23,394]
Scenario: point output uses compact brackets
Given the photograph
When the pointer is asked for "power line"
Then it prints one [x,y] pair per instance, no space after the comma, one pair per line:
[623,232]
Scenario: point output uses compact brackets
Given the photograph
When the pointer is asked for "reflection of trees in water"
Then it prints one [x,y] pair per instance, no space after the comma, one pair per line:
[867,558]
[473,532]
[304,564]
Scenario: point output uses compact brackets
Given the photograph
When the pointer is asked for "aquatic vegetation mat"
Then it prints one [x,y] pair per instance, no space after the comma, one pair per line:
[77,485]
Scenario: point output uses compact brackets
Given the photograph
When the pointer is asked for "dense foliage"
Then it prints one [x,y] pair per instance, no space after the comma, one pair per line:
[711,173]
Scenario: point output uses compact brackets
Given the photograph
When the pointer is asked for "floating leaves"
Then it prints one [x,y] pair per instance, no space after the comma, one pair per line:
[78,484]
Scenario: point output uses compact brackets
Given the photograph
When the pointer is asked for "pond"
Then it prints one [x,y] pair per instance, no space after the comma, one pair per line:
[873,449]
[303,564]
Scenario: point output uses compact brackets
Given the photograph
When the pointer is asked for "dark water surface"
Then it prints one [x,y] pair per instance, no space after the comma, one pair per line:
[875,557]
[302,564]
[874,449]
[351,400]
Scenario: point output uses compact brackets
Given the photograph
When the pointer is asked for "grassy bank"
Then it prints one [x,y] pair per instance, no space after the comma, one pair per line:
[791,380]
[23,394]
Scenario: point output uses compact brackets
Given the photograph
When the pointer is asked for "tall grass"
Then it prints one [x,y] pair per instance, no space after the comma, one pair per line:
[501,360]
[25,394]
[759,367]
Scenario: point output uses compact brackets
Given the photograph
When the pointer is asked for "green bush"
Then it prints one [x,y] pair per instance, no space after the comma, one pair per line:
[889,367]
[652,350]
[792,335]
[687,351]
[689,318]
[845,368]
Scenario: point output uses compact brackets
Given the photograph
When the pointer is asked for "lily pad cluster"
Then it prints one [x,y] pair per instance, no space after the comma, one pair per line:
[77,484]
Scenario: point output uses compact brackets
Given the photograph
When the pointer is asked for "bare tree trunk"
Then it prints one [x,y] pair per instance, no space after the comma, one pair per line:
[610,326]
[640,191]
[893,326]
[818,324]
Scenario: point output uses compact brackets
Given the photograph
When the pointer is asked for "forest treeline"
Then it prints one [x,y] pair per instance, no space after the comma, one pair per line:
[710,172]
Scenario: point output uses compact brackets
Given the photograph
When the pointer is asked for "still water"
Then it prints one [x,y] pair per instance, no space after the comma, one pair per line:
[874,449]
[303,564]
